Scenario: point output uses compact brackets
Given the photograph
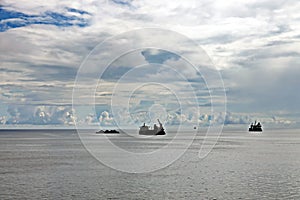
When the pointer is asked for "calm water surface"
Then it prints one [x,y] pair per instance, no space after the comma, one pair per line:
[48,164]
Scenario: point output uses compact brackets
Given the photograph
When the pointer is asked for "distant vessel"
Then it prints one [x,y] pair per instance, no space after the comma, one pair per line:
[255,127]
[108,132]
[146,130]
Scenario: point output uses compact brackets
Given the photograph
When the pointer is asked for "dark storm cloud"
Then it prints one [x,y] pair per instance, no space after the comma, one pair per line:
[264,89]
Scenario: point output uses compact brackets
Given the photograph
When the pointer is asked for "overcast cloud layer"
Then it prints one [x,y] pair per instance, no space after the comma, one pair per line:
[255,44]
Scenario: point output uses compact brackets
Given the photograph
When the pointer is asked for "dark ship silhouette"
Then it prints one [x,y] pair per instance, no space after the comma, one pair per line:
[255,127]
[108,132]
[146,130]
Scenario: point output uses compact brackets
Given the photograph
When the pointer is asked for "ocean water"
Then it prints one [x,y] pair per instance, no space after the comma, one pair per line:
[53,164]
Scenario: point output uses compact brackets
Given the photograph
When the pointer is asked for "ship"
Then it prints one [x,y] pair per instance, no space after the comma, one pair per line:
[147,130]
[256,127]
[108,132]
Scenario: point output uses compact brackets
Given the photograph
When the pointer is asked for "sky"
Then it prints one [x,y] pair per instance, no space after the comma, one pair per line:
[48,48]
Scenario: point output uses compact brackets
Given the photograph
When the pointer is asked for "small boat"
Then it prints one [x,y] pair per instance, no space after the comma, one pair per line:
[108,132]
[146,130]
[256,127]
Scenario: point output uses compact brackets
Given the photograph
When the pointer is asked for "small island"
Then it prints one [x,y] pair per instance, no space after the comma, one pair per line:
[108,132]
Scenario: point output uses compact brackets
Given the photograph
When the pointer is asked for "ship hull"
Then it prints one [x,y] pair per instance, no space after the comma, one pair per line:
[152,132]
[255,129]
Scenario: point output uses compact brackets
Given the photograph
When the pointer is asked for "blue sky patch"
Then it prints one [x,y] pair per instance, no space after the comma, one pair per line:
[123,2]
[82,12]
[13,19]
[160,56]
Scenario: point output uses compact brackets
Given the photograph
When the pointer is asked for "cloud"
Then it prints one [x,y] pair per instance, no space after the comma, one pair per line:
[3,120]
[255,45]
[89,120]
[265,84]
[64,115]
[40,115]
[105,119]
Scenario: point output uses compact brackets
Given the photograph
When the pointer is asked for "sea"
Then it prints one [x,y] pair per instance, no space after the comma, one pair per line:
[54,164]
